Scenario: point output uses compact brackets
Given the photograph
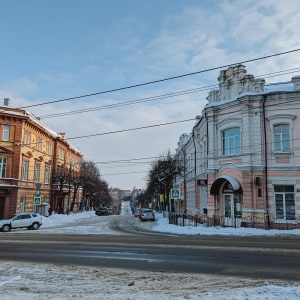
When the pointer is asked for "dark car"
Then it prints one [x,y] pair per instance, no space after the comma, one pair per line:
[102,211]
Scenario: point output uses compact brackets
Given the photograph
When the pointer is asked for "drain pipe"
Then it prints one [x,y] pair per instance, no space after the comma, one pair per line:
[266,161]
[195,168]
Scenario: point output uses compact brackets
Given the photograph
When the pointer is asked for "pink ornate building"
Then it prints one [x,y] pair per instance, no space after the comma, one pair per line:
[242,159]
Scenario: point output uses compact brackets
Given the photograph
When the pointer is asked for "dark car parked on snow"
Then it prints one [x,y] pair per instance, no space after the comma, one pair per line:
[102,211]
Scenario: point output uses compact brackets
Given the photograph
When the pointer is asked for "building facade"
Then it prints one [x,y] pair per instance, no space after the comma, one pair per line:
[244,147]
[30,153]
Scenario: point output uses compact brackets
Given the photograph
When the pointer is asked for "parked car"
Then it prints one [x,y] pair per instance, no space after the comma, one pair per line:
[109,211]
[147,215]
[102,211]
[137,212]
[22,220]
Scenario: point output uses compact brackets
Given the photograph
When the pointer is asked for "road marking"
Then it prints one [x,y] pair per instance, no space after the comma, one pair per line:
[11,280]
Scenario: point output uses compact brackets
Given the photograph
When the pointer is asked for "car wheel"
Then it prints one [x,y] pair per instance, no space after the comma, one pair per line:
[6,228]
[35,226]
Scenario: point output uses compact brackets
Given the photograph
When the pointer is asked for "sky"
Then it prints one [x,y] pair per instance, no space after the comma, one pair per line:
[27,280]
[53,50]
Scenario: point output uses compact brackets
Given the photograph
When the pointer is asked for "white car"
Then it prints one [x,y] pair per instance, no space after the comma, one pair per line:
[28,220]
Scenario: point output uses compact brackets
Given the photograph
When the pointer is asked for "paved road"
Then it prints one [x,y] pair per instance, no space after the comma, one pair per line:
[134,248]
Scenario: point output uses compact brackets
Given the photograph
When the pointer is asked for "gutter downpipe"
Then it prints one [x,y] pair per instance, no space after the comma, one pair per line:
[195,167]
[207,143]
[266,161]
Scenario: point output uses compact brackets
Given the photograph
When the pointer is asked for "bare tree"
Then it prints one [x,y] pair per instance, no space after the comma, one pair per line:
[161,177]
[95,190]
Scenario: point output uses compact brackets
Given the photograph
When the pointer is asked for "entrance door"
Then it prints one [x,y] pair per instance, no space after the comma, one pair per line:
[228,203]
[2,201]
[232,204]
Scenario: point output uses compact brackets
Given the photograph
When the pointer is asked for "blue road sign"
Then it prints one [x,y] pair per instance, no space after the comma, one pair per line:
[37,200]
[175,193]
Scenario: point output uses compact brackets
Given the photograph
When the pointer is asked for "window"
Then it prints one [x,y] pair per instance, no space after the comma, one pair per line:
[25,170]
[2,167]
[49,148]
[5,135]
[22,204]
[37,173]
[39,144]
[282,138]
[27,137]
[61,153]
[47,173]
[284,202]
[231,141]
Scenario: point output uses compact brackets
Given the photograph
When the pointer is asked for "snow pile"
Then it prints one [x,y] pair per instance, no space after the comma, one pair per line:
[164,226]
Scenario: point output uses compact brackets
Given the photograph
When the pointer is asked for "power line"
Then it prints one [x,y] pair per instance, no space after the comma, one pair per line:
[161,80]
[164,96]
[131,129]
[158,125]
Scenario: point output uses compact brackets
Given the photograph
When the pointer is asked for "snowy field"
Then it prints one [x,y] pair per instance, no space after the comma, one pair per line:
[26,281]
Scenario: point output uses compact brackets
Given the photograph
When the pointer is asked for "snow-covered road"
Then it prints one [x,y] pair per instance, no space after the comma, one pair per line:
[26,281]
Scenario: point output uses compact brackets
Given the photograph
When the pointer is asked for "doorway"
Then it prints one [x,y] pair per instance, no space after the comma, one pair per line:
[232,204]
[2,206]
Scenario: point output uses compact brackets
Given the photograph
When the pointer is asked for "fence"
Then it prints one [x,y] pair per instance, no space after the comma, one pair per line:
[266,222]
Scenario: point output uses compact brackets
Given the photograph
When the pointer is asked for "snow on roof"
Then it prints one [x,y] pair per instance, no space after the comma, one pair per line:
[268,89]
[279,87]
[37,121]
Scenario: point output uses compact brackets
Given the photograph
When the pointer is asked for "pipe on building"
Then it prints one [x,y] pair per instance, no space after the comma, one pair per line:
[266,159]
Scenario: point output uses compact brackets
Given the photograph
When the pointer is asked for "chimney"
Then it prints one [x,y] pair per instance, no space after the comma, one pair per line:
[6,102]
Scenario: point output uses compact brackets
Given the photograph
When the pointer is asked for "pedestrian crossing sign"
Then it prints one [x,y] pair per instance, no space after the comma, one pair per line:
[175,194]
[37,200]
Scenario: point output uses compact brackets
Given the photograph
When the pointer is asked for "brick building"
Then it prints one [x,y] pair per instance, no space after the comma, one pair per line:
[30,153]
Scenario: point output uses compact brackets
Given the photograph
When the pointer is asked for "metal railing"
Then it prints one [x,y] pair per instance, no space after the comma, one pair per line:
[265,222]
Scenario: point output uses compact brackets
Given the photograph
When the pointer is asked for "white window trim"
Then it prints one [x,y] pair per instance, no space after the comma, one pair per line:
[226,125]
[1,165]
[6,133]
[25,170]
[284,220]
[281,119]
[37,171]
[47,174]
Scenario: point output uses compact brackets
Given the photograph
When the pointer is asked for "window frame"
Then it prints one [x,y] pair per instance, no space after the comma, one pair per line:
[281,119]
[22,204]
[39,143]
[6,132]
[27,137]
[281,141]
[228,140]
[25,168]
[37,172]
[47,174]
[3,166]
[284,193]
